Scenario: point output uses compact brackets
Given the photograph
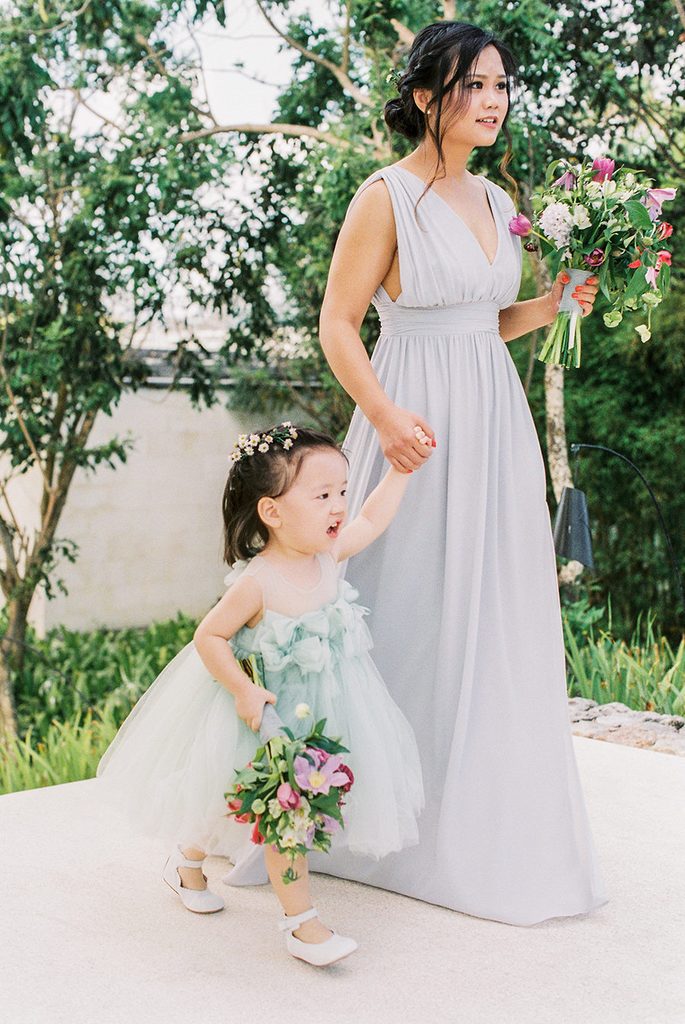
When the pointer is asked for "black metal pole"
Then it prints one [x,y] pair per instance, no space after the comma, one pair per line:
[575,448]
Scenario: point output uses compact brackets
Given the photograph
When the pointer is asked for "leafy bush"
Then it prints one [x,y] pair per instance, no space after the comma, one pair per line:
[69,672]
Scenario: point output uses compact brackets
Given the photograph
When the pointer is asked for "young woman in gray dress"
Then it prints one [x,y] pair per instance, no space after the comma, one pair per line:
[462,588]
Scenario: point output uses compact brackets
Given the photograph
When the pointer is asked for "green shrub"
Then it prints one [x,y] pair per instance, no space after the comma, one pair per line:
[69,671]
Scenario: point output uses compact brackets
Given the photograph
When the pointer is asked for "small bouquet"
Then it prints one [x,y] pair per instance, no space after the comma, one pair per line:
[597,219]
[292,790]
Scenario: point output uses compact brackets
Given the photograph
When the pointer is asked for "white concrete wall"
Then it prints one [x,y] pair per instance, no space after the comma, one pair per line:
[150,531]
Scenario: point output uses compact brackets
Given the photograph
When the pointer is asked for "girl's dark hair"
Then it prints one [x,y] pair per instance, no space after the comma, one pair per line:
[263,474]
[440,60]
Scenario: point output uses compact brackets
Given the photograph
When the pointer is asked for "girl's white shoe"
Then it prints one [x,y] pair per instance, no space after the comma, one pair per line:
[318,953]
[200,901]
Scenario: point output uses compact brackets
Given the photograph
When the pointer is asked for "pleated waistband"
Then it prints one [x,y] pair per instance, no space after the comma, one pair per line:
[463,318]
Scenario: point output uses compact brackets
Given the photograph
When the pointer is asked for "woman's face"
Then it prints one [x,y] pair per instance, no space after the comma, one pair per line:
[486,99]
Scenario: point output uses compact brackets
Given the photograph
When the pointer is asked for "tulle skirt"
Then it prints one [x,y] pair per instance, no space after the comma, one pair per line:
[174,757]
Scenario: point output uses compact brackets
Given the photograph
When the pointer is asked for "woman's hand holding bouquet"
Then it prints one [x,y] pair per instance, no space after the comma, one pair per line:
[595,219]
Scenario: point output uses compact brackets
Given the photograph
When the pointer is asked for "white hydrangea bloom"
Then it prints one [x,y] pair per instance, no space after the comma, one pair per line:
[556,223]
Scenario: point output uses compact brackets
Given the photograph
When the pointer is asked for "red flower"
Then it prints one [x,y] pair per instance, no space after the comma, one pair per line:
[257,837]
[634,264]
[348,772]
[663,256]
[665,231]
[234,805]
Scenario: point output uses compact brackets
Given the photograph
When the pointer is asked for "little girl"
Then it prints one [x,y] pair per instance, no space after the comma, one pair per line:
[174,757]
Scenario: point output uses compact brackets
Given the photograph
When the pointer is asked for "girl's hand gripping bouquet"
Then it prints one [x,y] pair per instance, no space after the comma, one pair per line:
[292,790]
[599,219]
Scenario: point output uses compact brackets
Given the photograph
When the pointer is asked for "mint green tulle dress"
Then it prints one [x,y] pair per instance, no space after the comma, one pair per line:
[174,757]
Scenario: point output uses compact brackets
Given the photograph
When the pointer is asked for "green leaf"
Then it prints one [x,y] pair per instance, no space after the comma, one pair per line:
[638,215]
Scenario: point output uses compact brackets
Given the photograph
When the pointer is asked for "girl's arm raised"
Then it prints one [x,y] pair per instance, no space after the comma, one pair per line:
[237,607]
[376,514]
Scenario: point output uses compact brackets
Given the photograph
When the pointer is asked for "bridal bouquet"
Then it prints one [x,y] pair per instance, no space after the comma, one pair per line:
[597,219]
[292,790]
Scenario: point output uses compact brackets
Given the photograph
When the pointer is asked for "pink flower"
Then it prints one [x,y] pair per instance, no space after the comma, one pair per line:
[330,824]
[650,274]
[595,258]
[520,225]
[287,797]
[654,199]
[567,181]
[604,169]
[663,256]
[665,231]
[318,778]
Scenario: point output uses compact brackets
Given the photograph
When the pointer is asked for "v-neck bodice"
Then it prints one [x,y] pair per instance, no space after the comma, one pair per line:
[442,264]
[436,195]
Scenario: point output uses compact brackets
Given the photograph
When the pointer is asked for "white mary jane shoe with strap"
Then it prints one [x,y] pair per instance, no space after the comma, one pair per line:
[200,901]
[318,953]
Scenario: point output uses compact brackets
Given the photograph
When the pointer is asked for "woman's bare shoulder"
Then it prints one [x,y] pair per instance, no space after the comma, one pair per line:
[370,211]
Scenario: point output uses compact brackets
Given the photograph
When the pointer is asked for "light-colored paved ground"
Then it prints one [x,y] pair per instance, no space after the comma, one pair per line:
[90,935]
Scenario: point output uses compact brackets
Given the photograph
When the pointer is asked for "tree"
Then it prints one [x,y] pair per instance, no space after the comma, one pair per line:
[107,208]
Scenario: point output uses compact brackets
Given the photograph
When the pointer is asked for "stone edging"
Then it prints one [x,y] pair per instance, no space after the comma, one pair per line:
[617,723]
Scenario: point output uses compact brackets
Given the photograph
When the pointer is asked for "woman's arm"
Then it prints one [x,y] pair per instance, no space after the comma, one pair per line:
[523,317]
[238,605]
[363,255]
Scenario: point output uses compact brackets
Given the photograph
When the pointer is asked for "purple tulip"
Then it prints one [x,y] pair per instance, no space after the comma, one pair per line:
[287,797]
[567,181]
[520,225]
[604,168]
[595,258]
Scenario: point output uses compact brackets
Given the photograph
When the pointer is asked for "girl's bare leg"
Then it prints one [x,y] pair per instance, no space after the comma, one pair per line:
[192,878]
[294,897]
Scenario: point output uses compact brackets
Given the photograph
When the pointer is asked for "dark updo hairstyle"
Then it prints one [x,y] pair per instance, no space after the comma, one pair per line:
[440,60]
[263,474]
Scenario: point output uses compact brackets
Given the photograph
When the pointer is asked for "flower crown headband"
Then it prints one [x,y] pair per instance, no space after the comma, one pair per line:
[248,444]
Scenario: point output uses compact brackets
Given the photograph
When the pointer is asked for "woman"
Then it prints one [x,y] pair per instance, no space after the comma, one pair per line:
[463,589]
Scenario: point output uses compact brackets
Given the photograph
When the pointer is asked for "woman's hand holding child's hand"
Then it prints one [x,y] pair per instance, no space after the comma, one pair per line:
[404,448]
[249,704]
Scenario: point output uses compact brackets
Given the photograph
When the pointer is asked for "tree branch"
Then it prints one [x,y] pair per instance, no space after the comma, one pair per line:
[337,72]
[269,129]
[406,35]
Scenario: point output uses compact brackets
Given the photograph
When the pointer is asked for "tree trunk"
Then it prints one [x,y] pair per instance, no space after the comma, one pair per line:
[11,660]
[555,424]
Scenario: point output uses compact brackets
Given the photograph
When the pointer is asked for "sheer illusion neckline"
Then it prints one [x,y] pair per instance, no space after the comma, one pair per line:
[461,219]
[302,590]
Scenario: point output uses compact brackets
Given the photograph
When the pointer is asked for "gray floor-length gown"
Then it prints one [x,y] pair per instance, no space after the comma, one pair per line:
[462,588]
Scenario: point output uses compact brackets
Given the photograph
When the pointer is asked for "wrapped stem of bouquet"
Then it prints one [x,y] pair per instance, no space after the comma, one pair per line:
[292,790]
[596,219]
